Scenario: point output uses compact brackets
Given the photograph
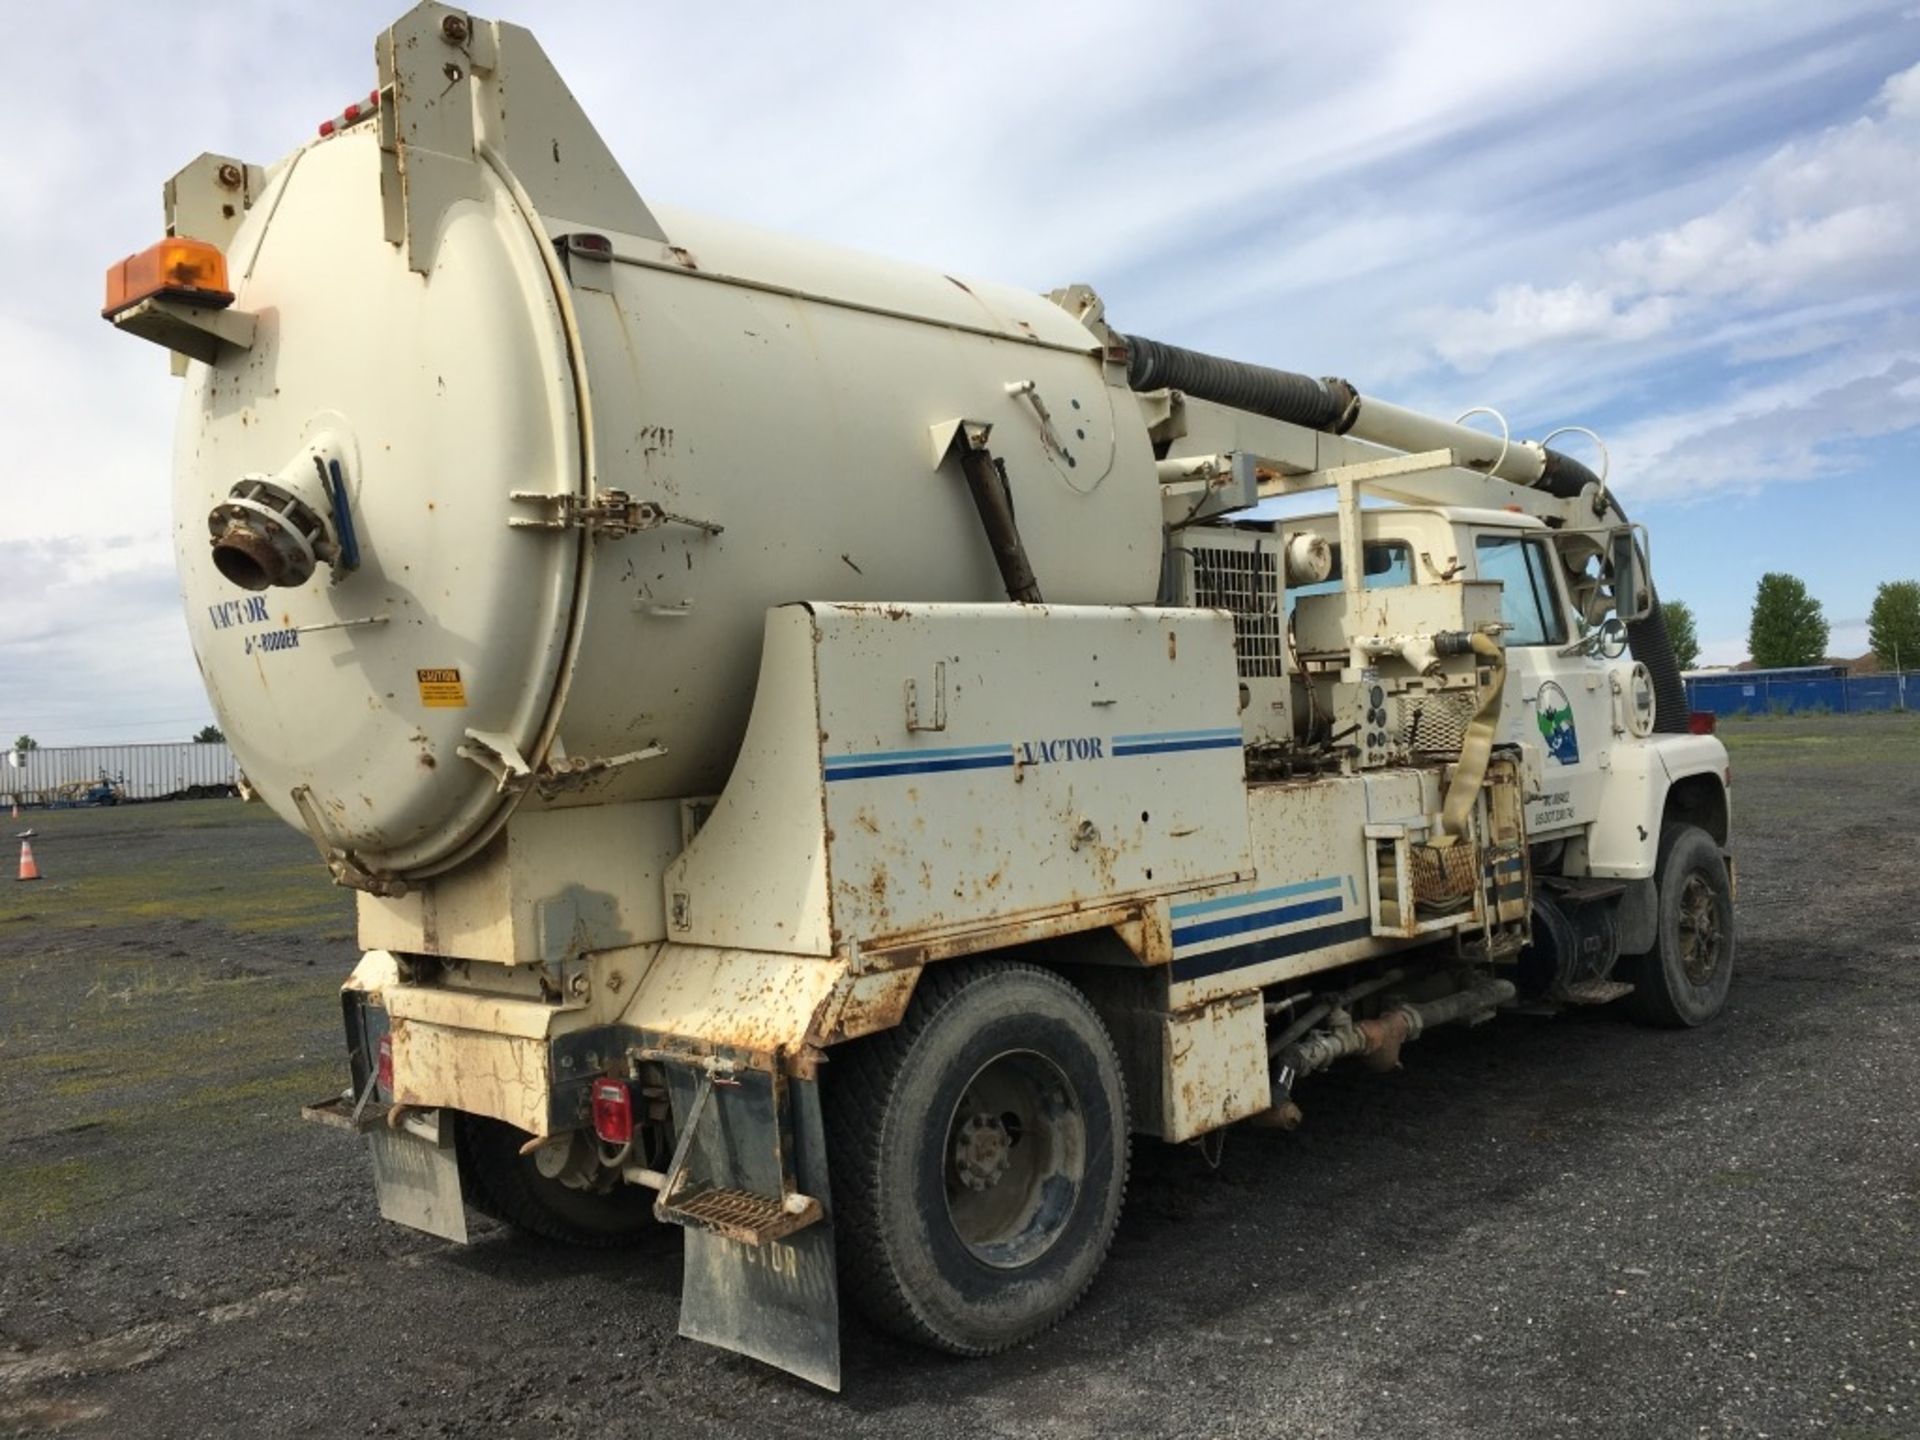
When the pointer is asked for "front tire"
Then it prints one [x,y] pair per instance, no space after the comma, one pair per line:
[1683,980]
[979,1158]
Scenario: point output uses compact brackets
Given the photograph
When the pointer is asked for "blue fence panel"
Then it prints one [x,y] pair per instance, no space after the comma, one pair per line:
[1737,694]
[1881,692]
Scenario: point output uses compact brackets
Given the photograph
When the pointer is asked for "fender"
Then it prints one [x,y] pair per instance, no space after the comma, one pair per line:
[1625,838]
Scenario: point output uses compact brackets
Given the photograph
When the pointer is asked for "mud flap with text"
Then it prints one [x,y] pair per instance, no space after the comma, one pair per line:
[417,1175]
[751,1151]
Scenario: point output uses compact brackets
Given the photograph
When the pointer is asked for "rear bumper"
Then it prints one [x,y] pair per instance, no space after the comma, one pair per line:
[515,1060]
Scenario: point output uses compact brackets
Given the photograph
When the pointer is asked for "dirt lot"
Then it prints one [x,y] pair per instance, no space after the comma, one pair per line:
[1541,1228]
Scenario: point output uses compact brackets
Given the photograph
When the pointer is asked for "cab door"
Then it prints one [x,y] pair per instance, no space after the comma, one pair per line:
[1557,708]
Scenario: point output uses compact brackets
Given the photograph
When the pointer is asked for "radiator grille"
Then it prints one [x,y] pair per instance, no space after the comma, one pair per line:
[1246,583]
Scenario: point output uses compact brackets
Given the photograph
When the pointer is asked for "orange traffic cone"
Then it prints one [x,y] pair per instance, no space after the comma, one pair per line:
[28,870]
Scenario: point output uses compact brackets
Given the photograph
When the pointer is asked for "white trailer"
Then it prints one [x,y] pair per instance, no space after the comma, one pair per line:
[61,774]
[827,751]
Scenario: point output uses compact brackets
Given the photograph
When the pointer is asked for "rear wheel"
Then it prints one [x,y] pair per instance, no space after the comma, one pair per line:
[1683,980]
[509,1186]
[979,1158]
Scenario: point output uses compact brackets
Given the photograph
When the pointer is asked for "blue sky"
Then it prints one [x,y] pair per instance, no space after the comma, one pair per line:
[1691,228]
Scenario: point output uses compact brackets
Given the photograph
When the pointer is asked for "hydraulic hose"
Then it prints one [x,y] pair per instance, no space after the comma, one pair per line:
[1649,643]
[1564,477]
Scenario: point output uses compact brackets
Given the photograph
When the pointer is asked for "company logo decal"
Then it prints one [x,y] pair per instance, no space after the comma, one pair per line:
[1554,712]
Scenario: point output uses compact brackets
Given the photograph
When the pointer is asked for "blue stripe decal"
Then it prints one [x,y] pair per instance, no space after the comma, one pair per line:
[1274,947]
[1213,734]
[1258,920]
[1227,742]
[999,760]
[1254,897]
[895,757]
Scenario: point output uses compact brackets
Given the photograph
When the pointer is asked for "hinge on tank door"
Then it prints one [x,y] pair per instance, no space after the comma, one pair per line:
[612,514]
[496,754]
[342,863]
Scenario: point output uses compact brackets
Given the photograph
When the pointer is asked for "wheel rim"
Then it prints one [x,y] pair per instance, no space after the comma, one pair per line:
[1015,1159]
[1701,931]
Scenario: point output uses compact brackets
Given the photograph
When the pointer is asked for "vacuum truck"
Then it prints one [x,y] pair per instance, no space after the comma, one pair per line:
[828,752]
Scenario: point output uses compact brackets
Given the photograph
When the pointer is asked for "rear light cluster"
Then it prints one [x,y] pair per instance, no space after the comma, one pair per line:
[383,1066]
[1701,722]
[352,115]
[613,1111]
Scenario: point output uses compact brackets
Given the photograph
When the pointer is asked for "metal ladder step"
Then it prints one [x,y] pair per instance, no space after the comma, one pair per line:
[749,1216]
[743,1215]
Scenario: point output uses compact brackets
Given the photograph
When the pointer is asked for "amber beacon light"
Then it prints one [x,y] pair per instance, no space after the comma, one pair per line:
[192,272]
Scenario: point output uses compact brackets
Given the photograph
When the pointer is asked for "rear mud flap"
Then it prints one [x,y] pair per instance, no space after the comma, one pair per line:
[416,1174]
[416,1166]
[779,1301]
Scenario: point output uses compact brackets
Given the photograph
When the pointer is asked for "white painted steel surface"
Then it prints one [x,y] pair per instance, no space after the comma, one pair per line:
[1050,759]
[144,772]
[449,395]
[778,389]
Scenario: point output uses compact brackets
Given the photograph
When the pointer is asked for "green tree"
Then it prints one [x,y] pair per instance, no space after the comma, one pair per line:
[209,735]
[1893,624]
[26,742]
[1681,633]
[1788,627]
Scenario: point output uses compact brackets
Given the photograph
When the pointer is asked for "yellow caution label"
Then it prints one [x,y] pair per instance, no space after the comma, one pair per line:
[441,689]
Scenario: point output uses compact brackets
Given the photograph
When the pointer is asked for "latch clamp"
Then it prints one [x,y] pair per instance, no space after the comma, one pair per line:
[612,514]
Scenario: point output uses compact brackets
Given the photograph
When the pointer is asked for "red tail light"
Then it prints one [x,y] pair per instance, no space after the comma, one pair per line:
[612,1111]
[1702,722]
[383,1066]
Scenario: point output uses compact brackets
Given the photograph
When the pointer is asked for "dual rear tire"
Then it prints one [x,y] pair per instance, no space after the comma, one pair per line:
[979,1158]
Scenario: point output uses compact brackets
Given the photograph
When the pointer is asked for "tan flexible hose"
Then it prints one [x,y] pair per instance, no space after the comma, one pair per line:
[1476,749]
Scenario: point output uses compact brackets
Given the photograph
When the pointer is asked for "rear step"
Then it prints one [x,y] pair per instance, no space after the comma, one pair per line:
[742,1215]
[748,1181]
[748,1216]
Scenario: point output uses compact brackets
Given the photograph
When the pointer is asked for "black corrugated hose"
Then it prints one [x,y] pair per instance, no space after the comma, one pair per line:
[1277,394]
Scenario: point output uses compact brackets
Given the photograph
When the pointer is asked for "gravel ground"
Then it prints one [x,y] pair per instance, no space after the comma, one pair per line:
[1568,1227]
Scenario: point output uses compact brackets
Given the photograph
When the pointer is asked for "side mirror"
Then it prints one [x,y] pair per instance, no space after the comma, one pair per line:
[1632,594]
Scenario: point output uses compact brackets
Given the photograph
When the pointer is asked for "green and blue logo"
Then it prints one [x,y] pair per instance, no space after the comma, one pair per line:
[1554,712]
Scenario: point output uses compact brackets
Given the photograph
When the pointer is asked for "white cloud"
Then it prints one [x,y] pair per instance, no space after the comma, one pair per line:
[1901,94]
[1831,216]
[1791,431]
[96,643]
[1521,316]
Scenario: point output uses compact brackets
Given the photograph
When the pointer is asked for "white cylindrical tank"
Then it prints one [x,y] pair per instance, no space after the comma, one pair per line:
[792,396]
